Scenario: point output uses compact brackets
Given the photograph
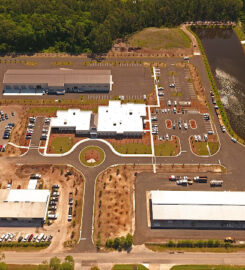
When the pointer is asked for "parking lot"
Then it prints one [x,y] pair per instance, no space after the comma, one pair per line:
[160,181]
[12,117]
[178,114]
[131,80]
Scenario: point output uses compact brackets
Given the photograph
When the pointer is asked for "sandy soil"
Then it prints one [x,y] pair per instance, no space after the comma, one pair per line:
[60,228]
[114,201]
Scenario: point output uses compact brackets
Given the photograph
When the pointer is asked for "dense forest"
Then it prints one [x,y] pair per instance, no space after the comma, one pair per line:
[77,26]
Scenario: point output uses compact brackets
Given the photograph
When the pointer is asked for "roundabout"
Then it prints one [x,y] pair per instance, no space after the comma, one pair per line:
[92,156]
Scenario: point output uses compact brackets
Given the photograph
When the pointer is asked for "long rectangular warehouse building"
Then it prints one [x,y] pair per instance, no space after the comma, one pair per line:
[197,210]
[56,81]
[23,207]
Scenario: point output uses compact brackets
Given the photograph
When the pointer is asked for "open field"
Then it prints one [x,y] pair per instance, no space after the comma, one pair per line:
[160,38]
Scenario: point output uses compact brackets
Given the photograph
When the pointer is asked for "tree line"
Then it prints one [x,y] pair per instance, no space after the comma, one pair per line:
[82,26]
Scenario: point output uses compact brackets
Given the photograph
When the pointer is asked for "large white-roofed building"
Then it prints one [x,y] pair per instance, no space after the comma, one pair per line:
[118,119]
[23,207]
[72,121]
[197,209]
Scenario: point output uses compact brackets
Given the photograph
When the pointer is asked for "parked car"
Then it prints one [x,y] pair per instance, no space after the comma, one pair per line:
[30,237]
[26,237]
[20,239]
[36,176]
[55,186]
[50,238]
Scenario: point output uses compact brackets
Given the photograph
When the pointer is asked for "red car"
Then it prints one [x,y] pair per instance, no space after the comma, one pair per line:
[30,237]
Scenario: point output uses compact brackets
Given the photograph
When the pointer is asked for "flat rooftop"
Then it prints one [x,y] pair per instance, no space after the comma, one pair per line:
[198,205]
[75,118]
[57,77]
[23,203]
[120,118]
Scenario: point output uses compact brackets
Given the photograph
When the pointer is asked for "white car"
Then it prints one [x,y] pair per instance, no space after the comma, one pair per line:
[175,103]
[160,94]
[185,126]
[195,138]
[2,237]
[172,85]
[169,103]
[234,140]
[199,138]
[167,137]
[160,88]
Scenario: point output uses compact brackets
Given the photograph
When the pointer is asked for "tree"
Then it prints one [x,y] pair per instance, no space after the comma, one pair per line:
[54,263]
[3,266]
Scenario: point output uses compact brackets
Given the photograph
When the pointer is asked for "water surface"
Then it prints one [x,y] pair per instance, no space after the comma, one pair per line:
[227,61]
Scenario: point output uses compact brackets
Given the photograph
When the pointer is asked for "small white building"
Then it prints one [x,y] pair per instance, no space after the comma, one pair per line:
[23,207]
[118,119]
[72,121]
[197,209]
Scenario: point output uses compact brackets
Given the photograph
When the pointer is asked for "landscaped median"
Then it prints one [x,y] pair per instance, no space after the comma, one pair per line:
[167,148]
[92,156]
[203,148]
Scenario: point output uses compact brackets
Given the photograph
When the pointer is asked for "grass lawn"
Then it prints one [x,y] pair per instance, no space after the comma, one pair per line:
[61,145]
[160,38]
[43,110]
[207,267]
[165,149]
[89,149]
[132,148]
[164,248]
[129,267]
[201,148]
[22,267]
[176,93]
[213,147]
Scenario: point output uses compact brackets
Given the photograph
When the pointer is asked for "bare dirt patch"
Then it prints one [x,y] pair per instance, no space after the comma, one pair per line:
[113,204]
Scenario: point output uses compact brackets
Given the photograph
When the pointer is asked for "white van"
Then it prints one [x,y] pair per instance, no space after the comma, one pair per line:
[40,237]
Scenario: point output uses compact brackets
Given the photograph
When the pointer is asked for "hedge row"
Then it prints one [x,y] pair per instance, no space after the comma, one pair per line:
[198,244]
[24,244]
[215,89]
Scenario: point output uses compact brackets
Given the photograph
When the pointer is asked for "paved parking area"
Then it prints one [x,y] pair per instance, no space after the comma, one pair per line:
[35,138]
[129,78]
[176,107]
[3,124]
[202,126]
[183,90]
[144,233]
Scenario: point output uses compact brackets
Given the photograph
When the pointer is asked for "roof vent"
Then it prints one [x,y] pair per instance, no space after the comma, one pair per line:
[74,113]
[114,124]
[130,113]
[65,122]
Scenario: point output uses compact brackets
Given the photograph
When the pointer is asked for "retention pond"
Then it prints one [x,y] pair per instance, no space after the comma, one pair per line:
[227,61]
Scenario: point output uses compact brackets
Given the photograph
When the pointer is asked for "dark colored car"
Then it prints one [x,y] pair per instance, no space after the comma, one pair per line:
[30,237]
[20,238]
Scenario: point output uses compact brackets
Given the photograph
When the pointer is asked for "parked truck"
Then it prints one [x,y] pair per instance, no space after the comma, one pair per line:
[182,182]
[216,183]
[200,179]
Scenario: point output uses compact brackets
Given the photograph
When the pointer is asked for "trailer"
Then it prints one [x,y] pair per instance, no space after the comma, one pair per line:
[216,183]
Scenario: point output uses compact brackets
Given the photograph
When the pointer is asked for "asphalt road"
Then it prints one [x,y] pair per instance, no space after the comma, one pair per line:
[134,257]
